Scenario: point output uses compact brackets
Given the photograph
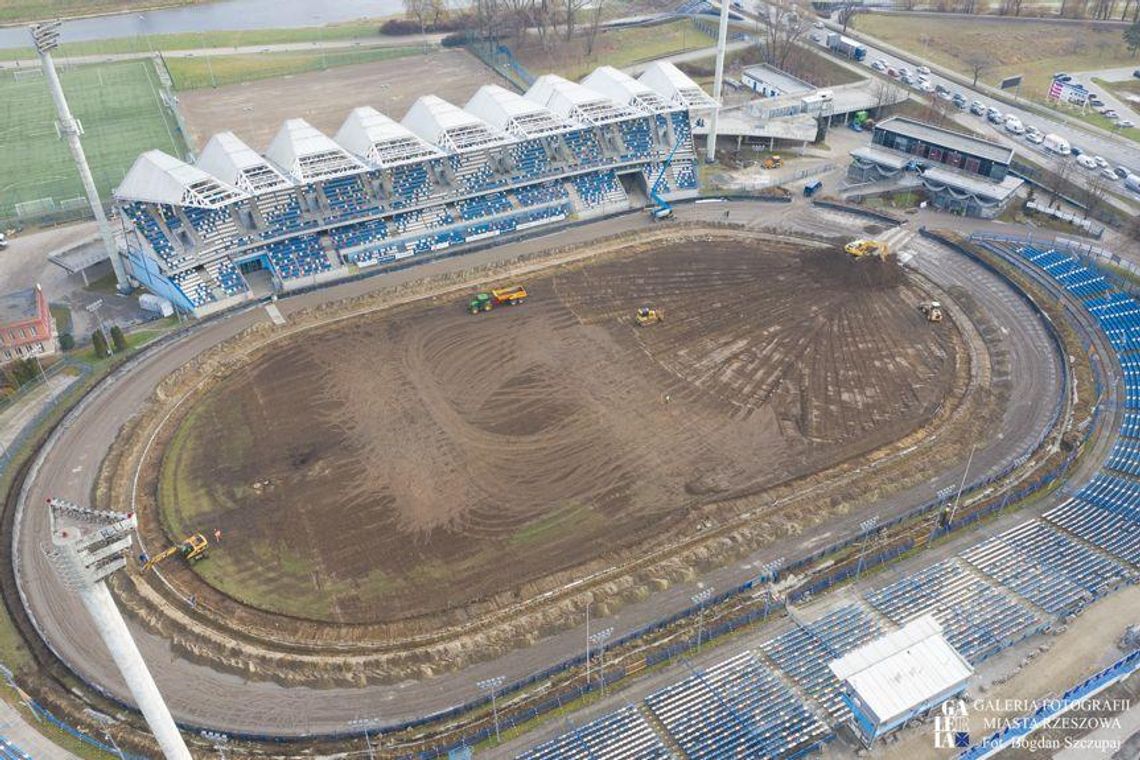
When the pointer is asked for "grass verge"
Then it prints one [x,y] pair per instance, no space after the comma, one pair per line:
[196,73]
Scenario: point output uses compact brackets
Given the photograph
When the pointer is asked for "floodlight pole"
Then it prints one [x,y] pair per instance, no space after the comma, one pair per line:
[700,598]
[46,38]
[718,82]
[89,545]
[867,526]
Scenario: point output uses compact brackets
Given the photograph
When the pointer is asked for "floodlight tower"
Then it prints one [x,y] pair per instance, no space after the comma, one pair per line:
[87,546]
[718,82]
[46,38]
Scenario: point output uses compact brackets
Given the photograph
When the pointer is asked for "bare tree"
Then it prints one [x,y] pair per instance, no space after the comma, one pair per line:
[572,8]
[848,12]
[1061,174]
[418,10]
[592,30]
[785,23]
[978,63]
[1094,192]
[885,93]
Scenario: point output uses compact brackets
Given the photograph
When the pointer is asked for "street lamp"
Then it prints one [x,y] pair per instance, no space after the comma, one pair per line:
[865,527]
[768,573]
[599,640]
[104,721]
[492,685]
[700,598]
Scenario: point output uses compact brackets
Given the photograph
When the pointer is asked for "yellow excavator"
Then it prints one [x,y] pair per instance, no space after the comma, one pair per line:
[860,249]
[646,316]
[773,162]
[192,549]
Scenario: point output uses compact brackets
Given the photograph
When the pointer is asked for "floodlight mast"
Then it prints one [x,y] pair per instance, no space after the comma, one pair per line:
[46,39]
[88,545]
[718,82]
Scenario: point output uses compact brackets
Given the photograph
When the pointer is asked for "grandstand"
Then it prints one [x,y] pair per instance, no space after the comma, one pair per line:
[315,208]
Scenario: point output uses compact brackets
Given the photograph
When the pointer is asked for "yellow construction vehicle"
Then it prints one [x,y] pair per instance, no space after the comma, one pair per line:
[512,295]
[860,249]
[932,310]
[192,549]
[773,162]
[646,316]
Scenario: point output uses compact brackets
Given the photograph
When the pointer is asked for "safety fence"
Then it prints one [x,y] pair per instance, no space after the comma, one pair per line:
[859,211]
[45,715]
[1018,730]
[64,367]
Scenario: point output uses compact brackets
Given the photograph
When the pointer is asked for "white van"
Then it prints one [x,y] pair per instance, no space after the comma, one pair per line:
[1056,144]
[1014,125]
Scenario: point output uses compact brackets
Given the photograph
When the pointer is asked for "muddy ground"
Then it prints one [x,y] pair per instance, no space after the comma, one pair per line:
[412,462]
[254,111]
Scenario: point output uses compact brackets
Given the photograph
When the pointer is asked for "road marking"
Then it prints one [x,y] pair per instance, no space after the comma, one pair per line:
[274,314]
[78,469]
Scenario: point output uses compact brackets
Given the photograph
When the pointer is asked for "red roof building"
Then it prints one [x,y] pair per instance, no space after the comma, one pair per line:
[26,325]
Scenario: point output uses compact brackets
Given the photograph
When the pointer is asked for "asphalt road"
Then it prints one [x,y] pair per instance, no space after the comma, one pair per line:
[203,697]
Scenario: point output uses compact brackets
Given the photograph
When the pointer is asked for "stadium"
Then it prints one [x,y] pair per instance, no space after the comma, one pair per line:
[693,488]
[315,209]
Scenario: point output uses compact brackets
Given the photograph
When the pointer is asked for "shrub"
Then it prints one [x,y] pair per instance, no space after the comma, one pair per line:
[99,344]
[66,342]
[118,339]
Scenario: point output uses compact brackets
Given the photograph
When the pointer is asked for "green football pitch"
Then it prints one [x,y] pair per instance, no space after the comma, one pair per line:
[121,111]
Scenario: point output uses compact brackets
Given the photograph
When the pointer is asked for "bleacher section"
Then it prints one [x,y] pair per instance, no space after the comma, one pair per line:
[484,205]
[621,735]
[297,257]
[804,652]
[584,147]
[599,188]
[347,198]
[536,195]
[736,709]
[638,138]
[1112,532]
[978,620]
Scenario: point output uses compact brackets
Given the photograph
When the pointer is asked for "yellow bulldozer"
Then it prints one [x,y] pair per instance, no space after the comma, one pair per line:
[646,316]
[932,310]
[192,549]
[773,162]
[861,249]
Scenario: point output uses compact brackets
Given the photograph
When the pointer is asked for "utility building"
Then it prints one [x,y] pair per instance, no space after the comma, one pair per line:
[899,676]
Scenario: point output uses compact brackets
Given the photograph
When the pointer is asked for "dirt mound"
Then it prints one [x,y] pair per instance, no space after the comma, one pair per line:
[415,461]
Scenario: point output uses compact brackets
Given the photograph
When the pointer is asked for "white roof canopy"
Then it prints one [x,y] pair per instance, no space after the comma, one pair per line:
[623,88]
[308,154]
[510,112]
[450,127]
[156,177]
[381,141]
[573,101]
[234,162]
[676,87]
[902,670]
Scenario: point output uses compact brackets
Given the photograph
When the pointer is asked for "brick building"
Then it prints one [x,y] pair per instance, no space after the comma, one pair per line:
[26,325]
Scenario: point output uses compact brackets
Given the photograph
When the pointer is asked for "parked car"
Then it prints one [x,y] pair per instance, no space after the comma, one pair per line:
[818,25]
[1121,171]
[1094,102]
[1061,76]
[977,108]
[925,70]
[816,37]
[1035,137]
[1125,124]
[1100,162]
[1100,108]
[1136,73]
[1109,174]
[1086,161]
[1110,114]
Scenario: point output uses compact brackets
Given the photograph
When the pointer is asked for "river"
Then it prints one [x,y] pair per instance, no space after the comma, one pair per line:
[212,17]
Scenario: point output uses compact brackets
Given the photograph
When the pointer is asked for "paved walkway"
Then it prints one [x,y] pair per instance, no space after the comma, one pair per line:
[23,736]
[378,41]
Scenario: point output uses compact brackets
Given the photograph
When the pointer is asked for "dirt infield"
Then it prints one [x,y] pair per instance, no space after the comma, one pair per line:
[420,459]
[255,110]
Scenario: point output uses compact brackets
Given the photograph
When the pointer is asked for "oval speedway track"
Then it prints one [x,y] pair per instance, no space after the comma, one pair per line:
[200,696]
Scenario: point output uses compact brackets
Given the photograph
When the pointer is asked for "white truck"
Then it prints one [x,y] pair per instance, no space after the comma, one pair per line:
[1132,182]
[1014,125]
[156,304]
[1056,144]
